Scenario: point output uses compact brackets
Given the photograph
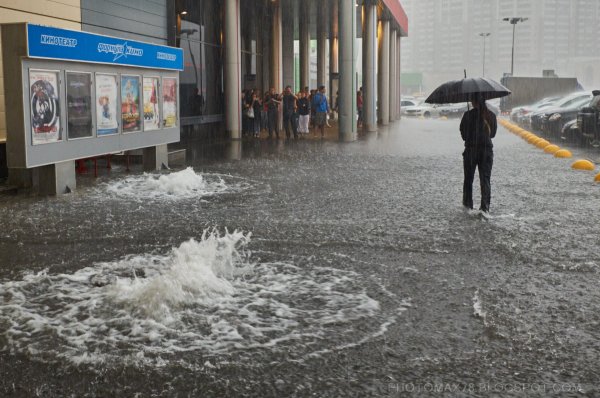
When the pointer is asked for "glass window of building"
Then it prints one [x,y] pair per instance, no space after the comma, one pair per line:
[196,28]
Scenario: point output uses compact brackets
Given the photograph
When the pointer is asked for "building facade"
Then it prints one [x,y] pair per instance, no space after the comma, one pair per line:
[233,45]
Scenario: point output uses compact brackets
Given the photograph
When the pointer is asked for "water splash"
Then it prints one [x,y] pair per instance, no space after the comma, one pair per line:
[184,184]
[205,295]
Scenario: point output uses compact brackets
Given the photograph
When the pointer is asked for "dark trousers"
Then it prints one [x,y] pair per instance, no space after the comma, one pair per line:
[290,123]
[244,123]
[273,117]
[295,123]
[256,124]
[483,159]
[264,120]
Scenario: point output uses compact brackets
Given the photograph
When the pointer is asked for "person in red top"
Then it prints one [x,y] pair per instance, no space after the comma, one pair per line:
[359,107]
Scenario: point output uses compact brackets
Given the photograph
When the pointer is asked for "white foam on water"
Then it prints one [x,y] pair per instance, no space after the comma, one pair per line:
[205,295]
[478,307]
[184,184]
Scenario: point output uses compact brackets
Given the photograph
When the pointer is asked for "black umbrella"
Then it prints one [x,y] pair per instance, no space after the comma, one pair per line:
[465,90]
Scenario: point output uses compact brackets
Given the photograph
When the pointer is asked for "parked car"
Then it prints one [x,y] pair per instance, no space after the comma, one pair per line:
[517,113]
[458,110]
[588,124]
[408,102]
[553,121]
[494,107]
[423,109]
[524,119]
[563,103]
[453,110]
[572,133]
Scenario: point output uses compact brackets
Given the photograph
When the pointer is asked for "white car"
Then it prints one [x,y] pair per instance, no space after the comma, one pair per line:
[421,110]
[408,102]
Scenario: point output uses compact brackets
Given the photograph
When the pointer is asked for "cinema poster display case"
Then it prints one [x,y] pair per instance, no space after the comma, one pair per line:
[73,95]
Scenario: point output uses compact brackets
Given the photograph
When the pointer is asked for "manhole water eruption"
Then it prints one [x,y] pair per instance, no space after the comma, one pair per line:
[204,296]
[178,185]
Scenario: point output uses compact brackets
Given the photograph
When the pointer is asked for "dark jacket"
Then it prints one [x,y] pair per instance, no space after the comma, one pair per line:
[289,103]
[304,106]
[256,105]
[272,102]
[475,132]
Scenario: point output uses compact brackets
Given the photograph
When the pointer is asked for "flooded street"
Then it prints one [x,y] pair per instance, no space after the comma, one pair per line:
[308,269]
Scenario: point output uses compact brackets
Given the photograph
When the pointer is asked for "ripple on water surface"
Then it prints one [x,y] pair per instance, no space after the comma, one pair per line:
[204,296]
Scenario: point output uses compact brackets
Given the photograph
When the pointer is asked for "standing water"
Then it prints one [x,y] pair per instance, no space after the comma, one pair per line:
[308,269]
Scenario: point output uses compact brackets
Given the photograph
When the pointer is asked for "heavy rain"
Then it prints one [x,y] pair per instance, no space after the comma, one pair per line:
[222,239]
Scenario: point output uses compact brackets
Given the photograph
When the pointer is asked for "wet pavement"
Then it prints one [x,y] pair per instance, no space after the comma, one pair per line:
[308,269]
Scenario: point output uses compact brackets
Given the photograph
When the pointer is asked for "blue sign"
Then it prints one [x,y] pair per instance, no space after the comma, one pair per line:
[72,45]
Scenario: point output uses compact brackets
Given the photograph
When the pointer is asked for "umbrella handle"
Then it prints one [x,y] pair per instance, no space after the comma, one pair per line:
[468,105]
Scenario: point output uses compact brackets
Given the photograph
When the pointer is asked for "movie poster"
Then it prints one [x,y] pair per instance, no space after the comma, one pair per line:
[151,115]
[130,103]
[106,105]
[169,93]
[45,106]
[79,105]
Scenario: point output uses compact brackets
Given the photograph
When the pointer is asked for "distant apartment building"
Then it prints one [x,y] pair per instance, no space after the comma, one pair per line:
[560,35]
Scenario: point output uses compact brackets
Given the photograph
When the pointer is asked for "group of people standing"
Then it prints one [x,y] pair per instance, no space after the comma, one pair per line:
[300,111]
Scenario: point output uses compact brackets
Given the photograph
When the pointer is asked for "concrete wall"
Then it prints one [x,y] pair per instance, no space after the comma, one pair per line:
[63,14]
[143,20]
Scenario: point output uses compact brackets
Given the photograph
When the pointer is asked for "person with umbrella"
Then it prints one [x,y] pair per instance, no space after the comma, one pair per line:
[477,128]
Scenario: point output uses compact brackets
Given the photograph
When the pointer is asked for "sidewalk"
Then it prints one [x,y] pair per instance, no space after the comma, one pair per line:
[331,133]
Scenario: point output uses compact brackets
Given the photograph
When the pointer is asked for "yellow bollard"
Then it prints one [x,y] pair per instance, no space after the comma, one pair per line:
[542,144]
[552,149]
[533,140]
[583,164]
[563,153]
